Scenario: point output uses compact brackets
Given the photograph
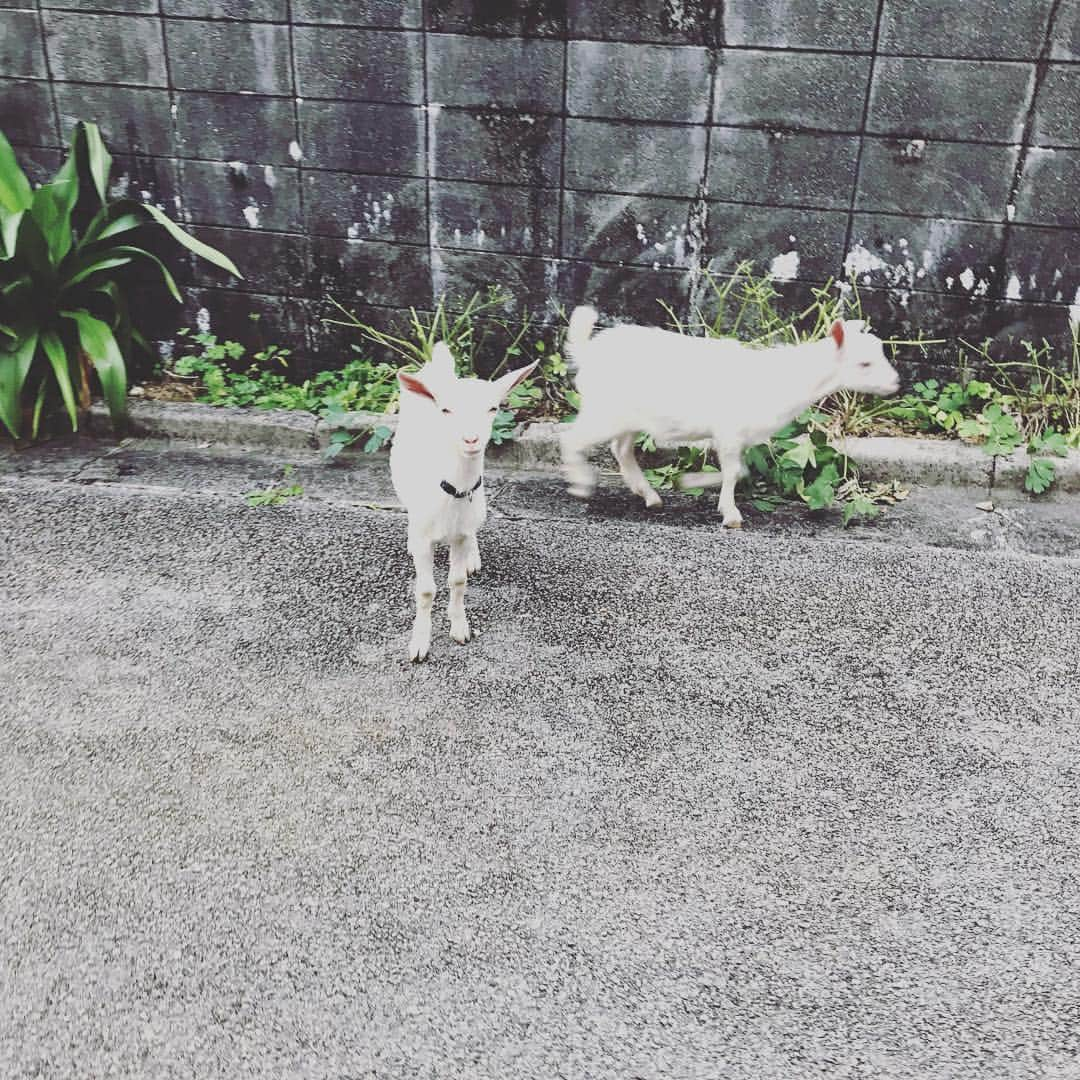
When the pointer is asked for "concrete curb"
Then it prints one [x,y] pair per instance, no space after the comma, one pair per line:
[880,458]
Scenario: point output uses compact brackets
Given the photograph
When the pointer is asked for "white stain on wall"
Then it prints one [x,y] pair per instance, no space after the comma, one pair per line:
[785,267]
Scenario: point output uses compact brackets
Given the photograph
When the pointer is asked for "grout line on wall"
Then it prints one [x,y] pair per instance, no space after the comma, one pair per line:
[1042,66]
[486,35]
[862,132]
[49,76]
[429,241]
[562,147]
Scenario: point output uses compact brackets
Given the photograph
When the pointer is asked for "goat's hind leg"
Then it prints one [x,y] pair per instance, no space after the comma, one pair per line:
[622,446]
[423,553]
[459,560]
[731,468]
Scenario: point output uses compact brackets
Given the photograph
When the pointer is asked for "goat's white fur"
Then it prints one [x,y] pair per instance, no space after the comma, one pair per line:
[680,389]
[443,430]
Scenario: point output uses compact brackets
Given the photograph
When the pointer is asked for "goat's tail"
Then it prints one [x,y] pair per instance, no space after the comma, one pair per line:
[582,321]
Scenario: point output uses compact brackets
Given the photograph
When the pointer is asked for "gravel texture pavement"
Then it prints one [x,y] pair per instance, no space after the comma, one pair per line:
[780,804]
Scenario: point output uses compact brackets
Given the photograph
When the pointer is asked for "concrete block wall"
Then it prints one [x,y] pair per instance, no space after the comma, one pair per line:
[383,152]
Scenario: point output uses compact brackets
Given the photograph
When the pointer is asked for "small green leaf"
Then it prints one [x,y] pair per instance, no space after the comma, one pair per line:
[1040,475]
[1050,442]
[378,439]
[800,455]
[859,506]
[757,457]
[821,493]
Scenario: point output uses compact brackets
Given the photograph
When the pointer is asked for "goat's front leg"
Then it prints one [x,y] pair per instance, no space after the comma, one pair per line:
[459,577]
[731,468]
[472,565]
[423,553]
[623,450]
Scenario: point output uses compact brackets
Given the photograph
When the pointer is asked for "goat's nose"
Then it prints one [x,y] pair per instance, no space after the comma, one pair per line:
[471,440]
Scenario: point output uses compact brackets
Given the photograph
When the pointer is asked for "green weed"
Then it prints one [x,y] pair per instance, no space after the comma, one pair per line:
[276,494]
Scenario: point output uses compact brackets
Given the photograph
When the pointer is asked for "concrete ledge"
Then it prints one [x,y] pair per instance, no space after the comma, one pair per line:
[880,458]
[949,461]
[268,429]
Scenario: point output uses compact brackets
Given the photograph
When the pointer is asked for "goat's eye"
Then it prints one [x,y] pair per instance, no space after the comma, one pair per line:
[446,411]
[864,363]
[493,409]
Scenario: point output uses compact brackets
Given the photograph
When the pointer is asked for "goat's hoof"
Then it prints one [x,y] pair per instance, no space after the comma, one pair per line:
[418,650]
[733,523]
[653,500]
[580,491]
[473,565]
[461,633]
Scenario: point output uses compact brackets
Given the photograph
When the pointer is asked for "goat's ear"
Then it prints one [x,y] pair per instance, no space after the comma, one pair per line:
[508,381]
[414,385]
[442,358]
[837,333]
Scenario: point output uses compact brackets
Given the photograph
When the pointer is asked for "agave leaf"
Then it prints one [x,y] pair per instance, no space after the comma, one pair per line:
[9,231]
[51,210]
[122,224]
[204,251]
[14,367]
[20,282]
[108,261]
[98,343]
[15,191]
[121,321]
[58,358]
[122,210]
[137,251]
[98,159]
[39,400]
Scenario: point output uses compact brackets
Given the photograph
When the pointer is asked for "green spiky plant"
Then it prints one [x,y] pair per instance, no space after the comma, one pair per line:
[63,307]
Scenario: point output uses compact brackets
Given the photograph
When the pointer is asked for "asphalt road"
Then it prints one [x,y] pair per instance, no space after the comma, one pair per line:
[777,804]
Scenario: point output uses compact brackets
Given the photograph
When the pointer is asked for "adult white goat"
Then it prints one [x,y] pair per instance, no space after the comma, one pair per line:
[680,389]
[437,466]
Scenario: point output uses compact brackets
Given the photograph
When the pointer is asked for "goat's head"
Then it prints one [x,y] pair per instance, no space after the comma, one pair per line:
[861,360]
[461,410]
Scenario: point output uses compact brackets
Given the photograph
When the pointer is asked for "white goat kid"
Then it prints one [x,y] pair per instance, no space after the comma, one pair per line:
[437,466]
[680,389]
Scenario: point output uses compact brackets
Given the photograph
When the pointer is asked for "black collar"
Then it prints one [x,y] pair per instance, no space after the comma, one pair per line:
[451,490]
